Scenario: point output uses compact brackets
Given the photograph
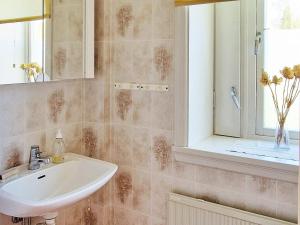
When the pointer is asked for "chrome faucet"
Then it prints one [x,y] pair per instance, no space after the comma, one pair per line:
[35,159]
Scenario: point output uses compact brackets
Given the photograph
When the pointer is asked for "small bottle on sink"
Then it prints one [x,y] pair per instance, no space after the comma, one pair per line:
[58,148]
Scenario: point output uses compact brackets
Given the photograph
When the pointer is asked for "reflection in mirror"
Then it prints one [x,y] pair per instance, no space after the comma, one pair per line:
[12,11]
[197,2]
[21,44]
[22,40]
[45,41]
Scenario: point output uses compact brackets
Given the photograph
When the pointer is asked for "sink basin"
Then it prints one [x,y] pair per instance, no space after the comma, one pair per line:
[38,193]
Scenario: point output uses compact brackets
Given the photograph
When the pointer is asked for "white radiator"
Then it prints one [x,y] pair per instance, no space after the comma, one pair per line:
[189,211]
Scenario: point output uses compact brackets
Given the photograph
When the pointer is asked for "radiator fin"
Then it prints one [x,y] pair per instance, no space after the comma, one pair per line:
[189,211]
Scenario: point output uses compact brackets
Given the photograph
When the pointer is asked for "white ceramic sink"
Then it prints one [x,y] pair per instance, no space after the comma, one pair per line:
[38,193]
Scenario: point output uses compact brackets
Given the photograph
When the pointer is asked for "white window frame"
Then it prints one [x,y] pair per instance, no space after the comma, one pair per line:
[282,170]
[248,66]
[260,129]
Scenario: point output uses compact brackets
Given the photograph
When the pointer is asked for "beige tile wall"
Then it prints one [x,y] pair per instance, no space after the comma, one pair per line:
[142,128]
[67,39]
[134,43]
[32,113]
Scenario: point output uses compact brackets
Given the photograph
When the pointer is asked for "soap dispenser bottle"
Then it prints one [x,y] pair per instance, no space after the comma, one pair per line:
[58,148]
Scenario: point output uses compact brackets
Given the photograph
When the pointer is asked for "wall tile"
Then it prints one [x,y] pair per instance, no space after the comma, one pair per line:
[221,178]
[60,23]
[93,141]
[287,212]
[121,59]
[55,105]
[163,61]
[123,188]
[207,192]
[75,60]
[261,187]
[60,66]
[102,60]
[163,19]
[261,206]
[184,170]
[75,20]
[141,149]
[127,217]
[108,218]
[131,20]
[160,188]
[122,146]
[99,20]
[162,110]
[94,99]
[12,110]
[141,108]
[74,214]
[141,192]
[142,22]
[103,197]
[72,103]
[219,195]
[183,187]
[142,61]
[35,109]
[122,19]
[12,153]
[287,193]
[5,220]
[123,106]
[161,152]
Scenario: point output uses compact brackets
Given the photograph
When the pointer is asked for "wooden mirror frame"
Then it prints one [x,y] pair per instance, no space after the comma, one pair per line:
[195,2]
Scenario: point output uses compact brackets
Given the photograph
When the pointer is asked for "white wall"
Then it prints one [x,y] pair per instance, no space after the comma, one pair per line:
[201,72]
[12,52]
[12,9]
[227,67]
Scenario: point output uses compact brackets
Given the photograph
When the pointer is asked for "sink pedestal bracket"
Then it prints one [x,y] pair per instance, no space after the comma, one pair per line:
[50,218]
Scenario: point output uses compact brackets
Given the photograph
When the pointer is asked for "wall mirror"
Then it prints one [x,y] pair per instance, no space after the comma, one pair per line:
[46,40]
[222,47]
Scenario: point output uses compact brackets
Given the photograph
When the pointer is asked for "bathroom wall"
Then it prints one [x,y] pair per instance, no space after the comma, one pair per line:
[134,43]
[32,113]
[142,50]
[67,39]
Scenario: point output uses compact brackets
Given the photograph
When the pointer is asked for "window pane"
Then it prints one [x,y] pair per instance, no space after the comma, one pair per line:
[281,48]
[36,42]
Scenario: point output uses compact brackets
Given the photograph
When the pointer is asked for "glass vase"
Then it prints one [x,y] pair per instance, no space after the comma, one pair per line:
[281,138]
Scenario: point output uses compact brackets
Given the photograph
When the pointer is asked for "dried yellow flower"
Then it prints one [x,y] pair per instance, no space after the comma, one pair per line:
[287,73]
[289,103]
[38,69]
[264,80]
[24,66]
[31,66]
[32,70]
[297,71]
[276,80]
[30,73]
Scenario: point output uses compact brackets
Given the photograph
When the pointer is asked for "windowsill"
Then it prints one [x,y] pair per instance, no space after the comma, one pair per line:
[254,157]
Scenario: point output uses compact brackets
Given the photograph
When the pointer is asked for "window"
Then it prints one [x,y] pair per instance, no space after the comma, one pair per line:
[217,37]
[13,45]
[20,43]
[217,95]
[36,42]
[278,24]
